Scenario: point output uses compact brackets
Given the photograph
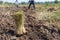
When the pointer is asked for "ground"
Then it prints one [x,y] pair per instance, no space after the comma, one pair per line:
[38,24]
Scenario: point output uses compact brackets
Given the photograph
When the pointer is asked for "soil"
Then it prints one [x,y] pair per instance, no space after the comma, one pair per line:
[36,29]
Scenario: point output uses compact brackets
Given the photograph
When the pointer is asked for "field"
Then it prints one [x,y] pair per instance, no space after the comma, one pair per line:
[43,23]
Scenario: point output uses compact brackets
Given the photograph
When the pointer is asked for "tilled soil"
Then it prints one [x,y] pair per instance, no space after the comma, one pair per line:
[36,29]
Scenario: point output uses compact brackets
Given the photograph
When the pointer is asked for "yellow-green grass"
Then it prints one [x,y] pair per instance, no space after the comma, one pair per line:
[19,19]
[56,16]
[50,17]
[53,16]
[5,5]
[46,6]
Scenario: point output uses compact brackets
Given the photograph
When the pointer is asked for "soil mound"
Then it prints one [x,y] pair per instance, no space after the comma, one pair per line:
[37,30]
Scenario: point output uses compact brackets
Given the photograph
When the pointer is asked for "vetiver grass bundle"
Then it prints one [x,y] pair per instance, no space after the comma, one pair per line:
[19,20]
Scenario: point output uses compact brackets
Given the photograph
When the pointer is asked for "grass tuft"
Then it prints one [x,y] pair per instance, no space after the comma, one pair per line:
[19,19]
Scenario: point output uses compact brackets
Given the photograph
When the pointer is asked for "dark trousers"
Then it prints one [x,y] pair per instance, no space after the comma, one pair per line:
[31,3]
[17,6]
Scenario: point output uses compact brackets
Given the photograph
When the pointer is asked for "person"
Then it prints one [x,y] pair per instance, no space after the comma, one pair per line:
[31,2]
[16,3]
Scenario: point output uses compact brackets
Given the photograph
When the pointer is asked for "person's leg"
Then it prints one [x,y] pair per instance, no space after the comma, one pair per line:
[29,6]
[16,5]
[33,5]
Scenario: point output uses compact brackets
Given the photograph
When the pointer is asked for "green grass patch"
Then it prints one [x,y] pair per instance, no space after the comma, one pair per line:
[55,16]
